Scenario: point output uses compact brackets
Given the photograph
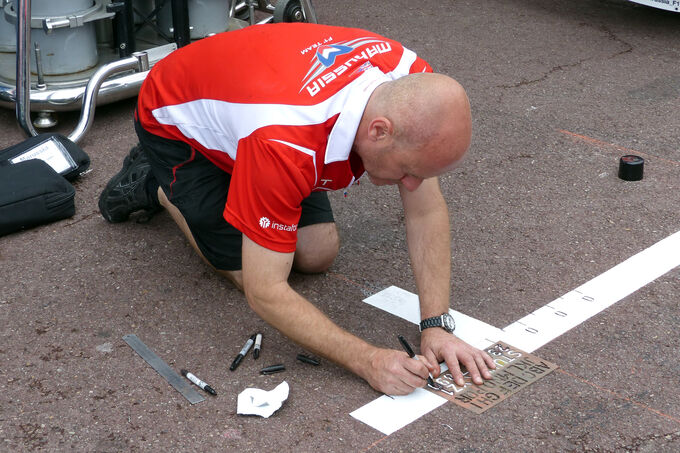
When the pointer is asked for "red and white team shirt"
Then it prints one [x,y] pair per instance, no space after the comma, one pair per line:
[276,106]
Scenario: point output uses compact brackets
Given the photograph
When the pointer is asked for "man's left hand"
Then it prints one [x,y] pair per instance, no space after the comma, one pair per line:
[438,345]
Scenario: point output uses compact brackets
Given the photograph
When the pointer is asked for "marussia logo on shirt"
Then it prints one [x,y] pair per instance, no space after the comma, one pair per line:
[266,223]
[323,69]
[327,53]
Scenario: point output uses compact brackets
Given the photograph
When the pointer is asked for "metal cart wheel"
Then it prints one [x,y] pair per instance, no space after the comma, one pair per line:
[288,11]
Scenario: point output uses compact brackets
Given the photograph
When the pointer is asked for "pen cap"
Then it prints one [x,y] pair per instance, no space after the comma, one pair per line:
[406,346]
[273,369]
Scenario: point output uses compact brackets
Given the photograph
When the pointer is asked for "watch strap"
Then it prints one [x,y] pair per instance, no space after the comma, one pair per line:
[435,321]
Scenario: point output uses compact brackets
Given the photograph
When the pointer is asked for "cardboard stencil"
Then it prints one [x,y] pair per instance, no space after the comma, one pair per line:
[515,370]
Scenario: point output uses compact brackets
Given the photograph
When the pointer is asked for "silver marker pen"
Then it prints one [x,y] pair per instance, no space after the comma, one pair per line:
[242,354]
[198,382]
[258,345]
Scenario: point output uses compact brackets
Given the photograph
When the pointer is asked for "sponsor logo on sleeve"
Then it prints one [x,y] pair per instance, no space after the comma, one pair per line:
[266,223]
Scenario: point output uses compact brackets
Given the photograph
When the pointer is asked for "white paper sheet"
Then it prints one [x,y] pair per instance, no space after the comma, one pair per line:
[387,414]
[405,304]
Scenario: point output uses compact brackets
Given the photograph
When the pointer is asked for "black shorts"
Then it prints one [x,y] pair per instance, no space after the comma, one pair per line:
[198,188]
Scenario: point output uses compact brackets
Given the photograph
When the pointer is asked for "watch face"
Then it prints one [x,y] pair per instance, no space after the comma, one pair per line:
[449,323]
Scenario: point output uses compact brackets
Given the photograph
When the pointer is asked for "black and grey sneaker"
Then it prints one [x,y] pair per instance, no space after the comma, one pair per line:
[128,191]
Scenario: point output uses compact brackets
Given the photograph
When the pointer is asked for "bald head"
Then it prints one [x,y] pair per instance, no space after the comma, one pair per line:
[429,115]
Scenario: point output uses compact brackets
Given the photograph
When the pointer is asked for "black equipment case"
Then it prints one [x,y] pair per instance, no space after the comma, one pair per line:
[33,181]
[67,158]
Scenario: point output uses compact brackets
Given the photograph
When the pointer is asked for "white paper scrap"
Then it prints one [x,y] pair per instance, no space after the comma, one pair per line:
[264,403]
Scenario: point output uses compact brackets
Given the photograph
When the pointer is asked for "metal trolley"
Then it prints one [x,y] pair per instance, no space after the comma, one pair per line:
[88,52]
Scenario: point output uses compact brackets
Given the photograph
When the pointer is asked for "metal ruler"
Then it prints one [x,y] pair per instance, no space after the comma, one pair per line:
[181,385]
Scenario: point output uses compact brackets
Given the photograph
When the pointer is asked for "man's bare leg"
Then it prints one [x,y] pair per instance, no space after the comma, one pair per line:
[234,277]
[317,245]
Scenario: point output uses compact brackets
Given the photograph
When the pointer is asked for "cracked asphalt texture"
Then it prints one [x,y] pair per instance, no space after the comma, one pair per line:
[559,91]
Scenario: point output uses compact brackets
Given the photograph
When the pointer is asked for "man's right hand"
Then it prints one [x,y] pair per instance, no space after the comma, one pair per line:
[265,274]
[394,372]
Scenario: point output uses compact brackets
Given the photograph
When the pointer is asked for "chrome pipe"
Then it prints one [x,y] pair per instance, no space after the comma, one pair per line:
[57,98]
[23,69]
[68,96]
[240,6]
[139,61]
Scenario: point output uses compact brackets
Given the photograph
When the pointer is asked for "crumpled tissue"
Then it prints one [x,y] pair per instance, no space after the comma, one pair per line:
[264,403]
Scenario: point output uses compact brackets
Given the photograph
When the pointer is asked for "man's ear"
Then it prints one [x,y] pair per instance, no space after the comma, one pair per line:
[380,128]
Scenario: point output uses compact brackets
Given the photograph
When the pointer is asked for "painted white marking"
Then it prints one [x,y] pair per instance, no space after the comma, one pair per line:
[388,414]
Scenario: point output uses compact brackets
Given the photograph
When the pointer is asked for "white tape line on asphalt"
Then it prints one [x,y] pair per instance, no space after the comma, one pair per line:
[552,320]
[388,414]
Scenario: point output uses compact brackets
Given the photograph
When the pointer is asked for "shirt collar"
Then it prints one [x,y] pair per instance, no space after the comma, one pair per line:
[344,131]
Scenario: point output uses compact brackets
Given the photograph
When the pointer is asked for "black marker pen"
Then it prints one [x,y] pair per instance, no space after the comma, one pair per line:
[242,354]
[409,351]
[258,345]
[198,382]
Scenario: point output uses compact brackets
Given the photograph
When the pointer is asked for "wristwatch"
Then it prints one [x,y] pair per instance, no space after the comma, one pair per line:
[444,321]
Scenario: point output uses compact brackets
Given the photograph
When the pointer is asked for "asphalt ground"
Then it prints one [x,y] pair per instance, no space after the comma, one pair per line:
[559,91]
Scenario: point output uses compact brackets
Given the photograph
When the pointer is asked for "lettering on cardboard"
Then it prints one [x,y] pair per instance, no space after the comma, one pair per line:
[515,370]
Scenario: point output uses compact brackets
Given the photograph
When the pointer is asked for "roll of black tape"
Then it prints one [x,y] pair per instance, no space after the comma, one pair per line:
[631,167]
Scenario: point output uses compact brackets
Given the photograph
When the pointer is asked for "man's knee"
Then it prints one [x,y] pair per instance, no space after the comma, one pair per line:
[317,247]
